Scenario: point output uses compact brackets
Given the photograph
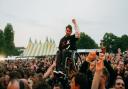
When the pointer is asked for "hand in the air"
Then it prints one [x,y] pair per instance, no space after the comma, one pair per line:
[99,65]
[73,21]
[54,64]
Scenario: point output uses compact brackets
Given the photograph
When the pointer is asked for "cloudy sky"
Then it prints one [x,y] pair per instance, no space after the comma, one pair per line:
[38,19]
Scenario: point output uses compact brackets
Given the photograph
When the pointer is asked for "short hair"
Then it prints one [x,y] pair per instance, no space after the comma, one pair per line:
[69,26]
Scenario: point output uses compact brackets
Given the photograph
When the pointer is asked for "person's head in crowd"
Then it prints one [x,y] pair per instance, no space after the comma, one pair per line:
[119,83]
[6,77]
[57,86]
[78,81]
[41,85]
[121,65]
[68,30]
[37,77]
[119,50]
[104,76]
[14,75]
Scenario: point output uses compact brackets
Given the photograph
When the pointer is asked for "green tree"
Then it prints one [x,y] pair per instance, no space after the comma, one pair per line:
[116,44]
[86,42]
[9,40]
[112,42]
[124,42]
[109,40]
[1,42]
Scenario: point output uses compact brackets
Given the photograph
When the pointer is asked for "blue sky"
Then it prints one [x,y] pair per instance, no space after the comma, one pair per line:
[39,19]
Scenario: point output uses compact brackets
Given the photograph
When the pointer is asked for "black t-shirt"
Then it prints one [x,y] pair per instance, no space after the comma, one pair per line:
[68,42]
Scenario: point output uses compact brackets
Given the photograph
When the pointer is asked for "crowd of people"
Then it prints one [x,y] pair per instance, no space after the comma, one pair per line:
[109,71]
[97,71]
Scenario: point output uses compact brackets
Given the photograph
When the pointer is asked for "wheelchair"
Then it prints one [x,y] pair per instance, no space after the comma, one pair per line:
[72,62]
[69,62]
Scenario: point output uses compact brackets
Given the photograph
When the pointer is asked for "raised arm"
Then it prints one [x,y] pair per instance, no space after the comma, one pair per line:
[49,70]
[77,32]
[96,78]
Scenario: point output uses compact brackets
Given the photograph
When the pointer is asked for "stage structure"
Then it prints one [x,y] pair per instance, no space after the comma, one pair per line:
[39,49]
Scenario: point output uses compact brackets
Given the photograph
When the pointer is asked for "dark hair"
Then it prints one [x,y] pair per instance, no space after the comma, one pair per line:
[42,84]
[69,26]
[81,80]
[120,77]
[14,75]
[105,72]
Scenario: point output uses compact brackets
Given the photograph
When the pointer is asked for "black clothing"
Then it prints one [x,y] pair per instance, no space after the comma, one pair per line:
[85,69]
[112,74]
[68,42]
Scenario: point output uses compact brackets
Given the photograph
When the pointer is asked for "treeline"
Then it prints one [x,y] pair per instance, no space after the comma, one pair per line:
[7,46]
[110,41]
[113,42]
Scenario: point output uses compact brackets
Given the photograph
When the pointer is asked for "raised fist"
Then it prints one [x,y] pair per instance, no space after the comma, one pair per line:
[73,21]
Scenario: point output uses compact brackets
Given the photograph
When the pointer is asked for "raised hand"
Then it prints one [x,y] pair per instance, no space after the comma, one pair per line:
[54,64]
[74,21]
[99,65]
[96,79]
[77,32]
